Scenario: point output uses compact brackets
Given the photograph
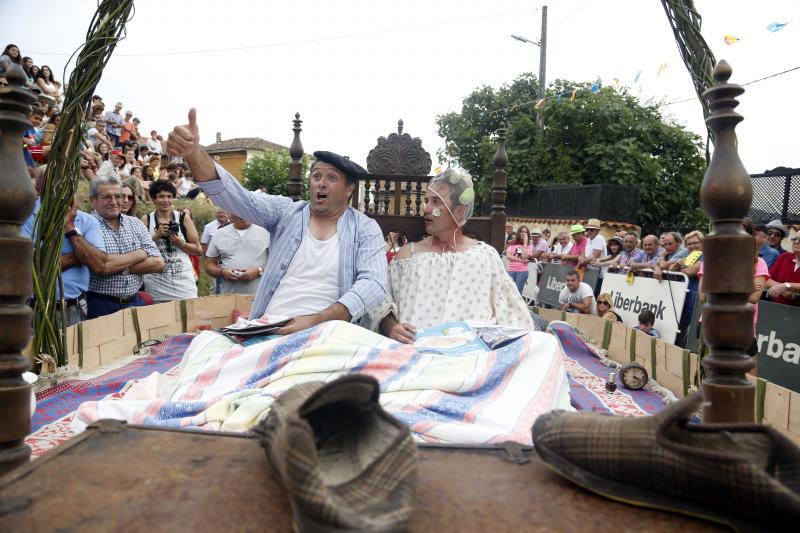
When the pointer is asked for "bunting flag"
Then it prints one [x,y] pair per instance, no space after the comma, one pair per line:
[438,170]
[539,104]
[730,39]
[636,78]
[571,98]
[661,69]
[596,86]
[776,26]
[616,82]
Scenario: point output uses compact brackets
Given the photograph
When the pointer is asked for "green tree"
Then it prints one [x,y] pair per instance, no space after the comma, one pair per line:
[607,136]
[271,171]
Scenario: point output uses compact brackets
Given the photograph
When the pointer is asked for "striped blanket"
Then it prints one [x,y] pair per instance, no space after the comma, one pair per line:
[476,398]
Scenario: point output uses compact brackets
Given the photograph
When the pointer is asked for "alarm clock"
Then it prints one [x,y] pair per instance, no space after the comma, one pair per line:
[633,376]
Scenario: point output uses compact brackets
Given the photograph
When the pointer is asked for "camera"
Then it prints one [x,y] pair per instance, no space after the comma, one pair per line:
[174,227]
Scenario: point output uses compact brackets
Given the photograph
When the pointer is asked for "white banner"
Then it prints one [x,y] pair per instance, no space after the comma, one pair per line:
[664,298]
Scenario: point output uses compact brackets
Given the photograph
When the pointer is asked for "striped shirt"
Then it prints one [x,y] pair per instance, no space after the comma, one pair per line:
[132,235]
[362,259]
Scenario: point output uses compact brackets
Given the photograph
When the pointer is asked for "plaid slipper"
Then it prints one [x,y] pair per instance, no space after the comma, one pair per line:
[346,464]
[746,476]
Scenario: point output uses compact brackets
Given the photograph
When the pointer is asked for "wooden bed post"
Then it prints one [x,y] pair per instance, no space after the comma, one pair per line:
[729,255]
[296,165]
[499,191]
[16,284]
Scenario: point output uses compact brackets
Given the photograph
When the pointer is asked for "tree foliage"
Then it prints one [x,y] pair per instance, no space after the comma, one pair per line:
[607,136]
[271,171]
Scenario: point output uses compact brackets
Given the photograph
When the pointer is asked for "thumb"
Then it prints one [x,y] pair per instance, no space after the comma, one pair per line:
[193,118]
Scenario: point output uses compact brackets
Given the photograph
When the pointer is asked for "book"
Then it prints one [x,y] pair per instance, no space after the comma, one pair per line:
[243,328]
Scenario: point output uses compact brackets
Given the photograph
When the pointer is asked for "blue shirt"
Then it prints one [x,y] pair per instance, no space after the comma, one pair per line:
[768,254]
[76,279]
[362,258]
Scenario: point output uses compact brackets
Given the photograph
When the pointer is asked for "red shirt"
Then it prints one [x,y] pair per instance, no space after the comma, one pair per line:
[785,270]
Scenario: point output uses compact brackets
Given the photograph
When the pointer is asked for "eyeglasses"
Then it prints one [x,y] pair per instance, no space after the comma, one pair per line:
[603,302]
[108,197]
[775,234]
[795,239]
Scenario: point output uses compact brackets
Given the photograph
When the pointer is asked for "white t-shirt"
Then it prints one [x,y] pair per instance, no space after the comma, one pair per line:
[598,243]
[562,250]
[311,282]
[240,249]
[154,146]
[184,186]
[567,297]
[208,231]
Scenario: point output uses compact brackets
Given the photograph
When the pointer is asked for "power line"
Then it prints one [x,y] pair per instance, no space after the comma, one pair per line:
[562,21]
[305,41]
[743,85]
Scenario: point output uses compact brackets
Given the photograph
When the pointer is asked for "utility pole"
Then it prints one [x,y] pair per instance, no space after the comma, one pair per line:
[542,64]
[542,44]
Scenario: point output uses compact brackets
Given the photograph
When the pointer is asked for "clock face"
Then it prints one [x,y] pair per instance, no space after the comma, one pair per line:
[634,376]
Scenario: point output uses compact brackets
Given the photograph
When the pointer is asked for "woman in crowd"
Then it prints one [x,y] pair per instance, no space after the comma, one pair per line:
[48,134]
[128,204]
[154,165]
[518,253]
[447,276]
[605,308]
[177,238]
[102,150]
[13,53]
[139,186]
[613,249]
[690,265]
[48,85]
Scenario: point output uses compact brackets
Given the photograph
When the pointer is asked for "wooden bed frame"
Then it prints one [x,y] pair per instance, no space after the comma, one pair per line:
[116,476]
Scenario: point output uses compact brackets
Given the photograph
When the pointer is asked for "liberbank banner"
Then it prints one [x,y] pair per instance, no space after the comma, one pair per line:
[632,295]
[778,339]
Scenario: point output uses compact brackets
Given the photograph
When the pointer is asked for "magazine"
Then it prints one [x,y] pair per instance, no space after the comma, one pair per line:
[243,328]
[495,337]
[458,338]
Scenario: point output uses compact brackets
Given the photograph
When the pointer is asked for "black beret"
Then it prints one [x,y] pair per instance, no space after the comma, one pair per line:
[352,171]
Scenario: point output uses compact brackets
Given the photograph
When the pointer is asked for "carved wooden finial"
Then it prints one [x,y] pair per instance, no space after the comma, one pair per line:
[16,204]
[498,214]
[296,164]
[400,127]
[728,256]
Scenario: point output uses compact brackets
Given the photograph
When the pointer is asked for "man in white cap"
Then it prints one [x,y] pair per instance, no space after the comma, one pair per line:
[539,244]
[776,232]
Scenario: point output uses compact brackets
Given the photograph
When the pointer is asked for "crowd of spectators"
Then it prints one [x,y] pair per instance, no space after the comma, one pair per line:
[583,249]
[134,248]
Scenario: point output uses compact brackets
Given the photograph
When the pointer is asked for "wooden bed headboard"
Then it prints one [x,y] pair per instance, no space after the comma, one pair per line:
[391,193]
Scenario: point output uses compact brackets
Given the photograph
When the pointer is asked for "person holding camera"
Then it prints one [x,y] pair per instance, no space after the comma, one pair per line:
[176,237]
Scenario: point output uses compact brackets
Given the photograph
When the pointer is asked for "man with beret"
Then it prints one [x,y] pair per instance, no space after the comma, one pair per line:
[326,261]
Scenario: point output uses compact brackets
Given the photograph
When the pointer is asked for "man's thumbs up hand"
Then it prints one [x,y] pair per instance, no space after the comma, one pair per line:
[184,141]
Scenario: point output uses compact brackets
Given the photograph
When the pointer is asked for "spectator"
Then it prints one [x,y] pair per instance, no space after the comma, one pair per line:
[117,288]
[114,123]
[576,296]
[577,253]
[97,135]
[509,232]
[48,135]
[546,236]
[631,253]
[110,167]
[646,321]
[674,250]
[765,251]
[35,117]
[611,257]
[47,84]
[595,243]
[176,237]
[539,245]
[144,155]
[220,221]
[776,232]
[690,266]
[13,53]
[127,205]
[650,258]
[784,285]
[562,247]
[135,135]
[153,144]
[137,184]
[518,253]
[147,174]
[237,255]
[154,165]
[392,245]
[605,308]
[127,128]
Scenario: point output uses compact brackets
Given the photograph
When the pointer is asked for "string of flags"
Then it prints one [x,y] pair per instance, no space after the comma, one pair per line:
[772,27]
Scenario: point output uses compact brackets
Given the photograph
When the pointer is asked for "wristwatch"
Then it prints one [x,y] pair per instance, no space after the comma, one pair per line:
[260,271]
[73,233]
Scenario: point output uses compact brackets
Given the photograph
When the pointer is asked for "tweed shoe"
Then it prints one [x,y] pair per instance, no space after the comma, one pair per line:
[346,464]
[746,476]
